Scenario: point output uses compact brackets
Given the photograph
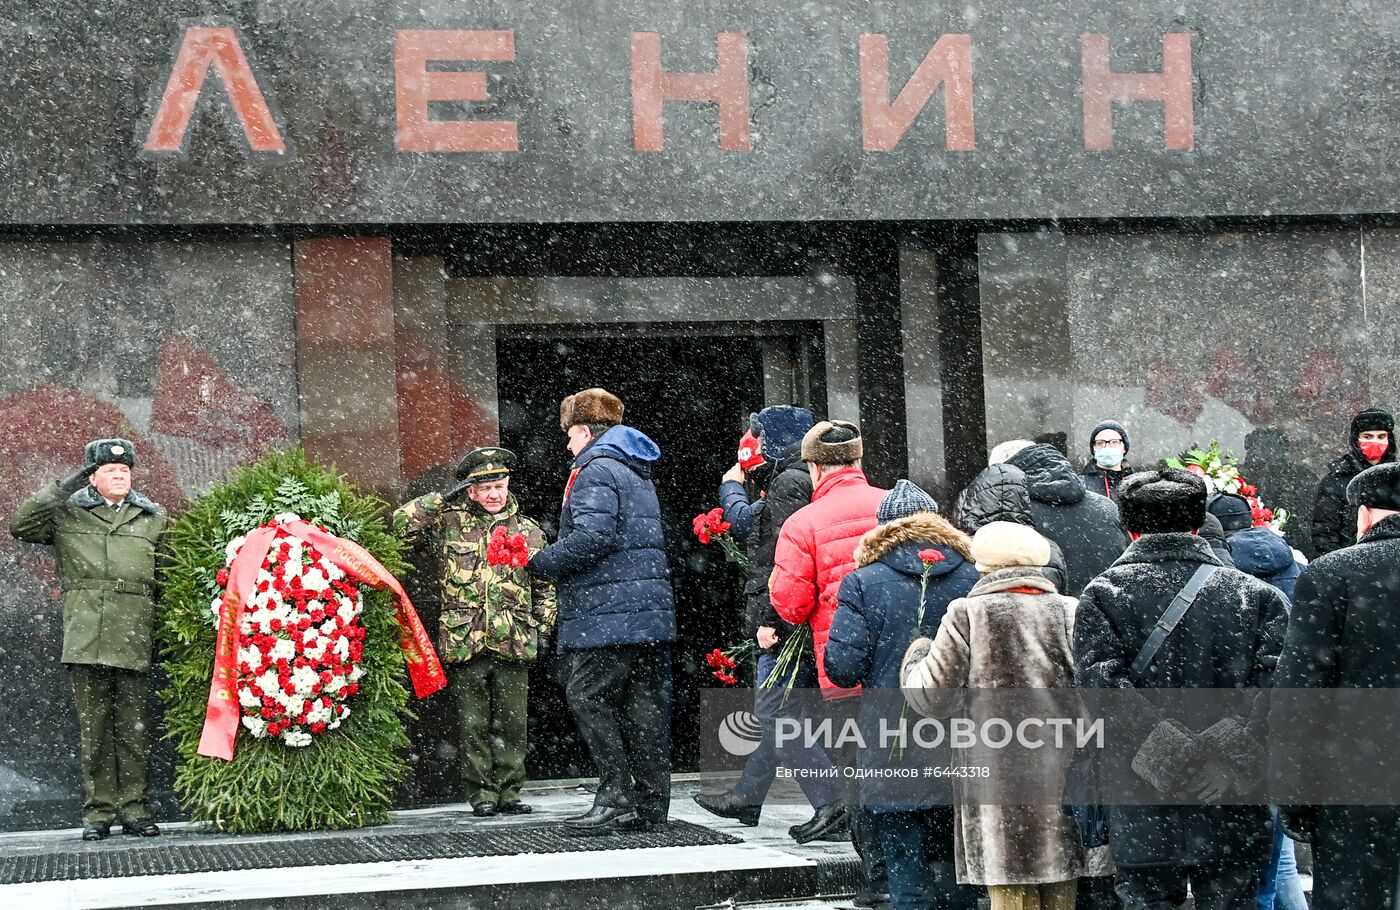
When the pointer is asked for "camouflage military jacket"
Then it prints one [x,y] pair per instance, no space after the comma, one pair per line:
[484,607]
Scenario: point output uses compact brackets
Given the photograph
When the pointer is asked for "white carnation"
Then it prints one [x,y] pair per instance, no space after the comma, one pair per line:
[284,650]
[256,726]
[303,678]
[231,550]
[296,738]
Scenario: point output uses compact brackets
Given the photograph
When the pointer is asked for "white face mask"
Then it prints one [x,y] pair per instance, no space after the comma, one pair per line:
[1108,458]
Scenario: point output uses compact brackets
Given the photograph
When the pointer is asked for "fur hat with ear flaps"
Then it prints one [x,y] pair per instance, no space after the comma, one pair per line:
[832,442]
[590,406]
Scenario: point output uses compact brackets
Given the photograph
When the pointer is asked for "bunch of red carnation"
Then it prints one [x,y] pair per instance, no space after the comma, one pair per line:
[506,549]
[720,666]
[711,524]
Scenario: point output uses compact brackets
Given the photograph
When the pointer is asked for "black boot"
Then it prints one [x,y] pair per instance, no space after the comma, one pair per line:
[727,805]
[141,827]
[97,831]
[605,820]
[824,821]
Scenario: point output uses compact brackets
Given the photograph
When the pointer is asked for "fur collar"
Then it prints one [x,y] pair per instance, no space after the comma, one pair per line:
[925,527]
[1174,546]
[89,498]
[1012,577]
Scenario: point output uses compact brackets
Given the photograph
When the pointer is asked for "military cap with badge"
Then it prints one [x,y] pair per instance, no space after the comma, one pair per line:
[481,465]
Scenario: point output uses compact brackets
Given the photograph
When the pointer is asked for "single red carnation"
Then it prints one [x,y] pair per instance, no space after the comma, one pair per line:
[221,578]
[930,556]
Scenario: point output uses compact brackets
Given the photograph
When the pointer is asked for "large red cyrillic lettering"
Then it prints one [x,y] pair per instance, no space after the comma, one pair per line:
[948,64]
[727,85]
[1172,86]
[203,45]
[414,87]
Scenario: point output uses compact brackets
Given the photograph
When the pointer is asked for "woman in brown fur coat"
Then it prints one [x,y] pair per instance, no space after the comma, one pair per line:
[1012,631]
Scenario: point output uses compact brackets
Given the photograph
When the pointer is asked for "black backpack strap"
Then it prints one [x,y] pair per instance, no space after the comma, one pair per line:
[1171,618]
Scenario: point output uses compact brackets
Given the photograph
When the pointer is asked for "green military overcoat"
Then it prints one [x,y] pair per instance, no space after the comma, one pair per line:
[107,568]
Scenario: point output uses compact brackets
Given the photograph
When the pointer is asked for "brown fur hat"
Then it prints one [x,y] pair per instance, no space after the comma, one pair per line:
[832,442]
[590,406]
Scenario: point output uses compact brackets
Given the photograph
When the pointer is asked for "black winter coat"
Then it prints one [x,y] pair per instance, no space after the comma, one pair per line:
[789,489]
[1343,635]
[1002,493]
[1229,639]
[1084,524]
[1213,533]
[1333,518]
[998,493]
[1105,483]
[609,566]
[1345,631]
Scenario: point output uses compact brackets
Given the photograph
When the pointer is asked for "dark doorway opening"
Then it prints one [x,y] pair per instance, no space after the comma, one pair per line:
[690,393]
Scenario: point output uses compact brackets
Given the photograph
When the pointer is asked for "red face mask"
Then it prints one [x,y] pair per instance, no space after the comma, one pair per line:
[1373,449]
[750,455]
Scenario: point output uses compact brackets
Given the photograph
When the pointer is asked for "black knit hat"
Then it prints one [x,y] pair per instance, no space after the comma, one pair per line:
[1376,488]
[1109,425]
[1233,511]
[1162,502]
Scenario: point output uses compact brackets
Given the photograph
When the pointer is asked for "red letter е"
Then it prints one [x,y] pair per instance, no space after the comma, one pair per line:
[415,87]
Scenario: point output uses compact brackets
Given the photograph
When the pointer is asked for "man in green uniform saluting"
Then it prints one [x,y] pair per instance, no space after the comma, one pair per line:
[495,619]
[105,536]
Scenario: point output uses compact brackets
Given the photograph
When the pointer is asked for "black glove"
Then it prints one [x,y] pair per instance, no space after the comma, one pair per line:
[77,480]
[546,643]
[1299,822]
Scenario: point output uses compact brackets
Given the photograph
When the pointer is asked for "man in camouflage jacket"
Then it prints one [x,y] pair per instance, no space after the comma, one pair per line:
[494,621]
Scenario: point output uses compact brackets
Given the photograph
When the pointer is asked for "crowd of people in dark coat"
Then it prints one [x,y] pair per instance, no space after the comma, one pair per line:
[1042,576]
[1049,576]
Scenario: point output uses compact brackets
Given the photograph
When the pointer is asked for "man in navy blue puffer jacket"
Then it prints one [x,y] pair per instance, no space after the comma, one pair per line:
[878,615]
[617,618]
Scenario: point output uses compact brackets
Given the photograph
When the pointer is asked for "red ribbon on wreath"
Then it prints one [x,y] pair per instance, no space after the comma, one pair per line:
[221,715]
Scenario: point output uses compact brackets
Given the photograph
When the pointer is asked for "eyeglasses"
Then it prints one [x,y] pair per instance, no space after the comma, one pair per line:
[1108,443]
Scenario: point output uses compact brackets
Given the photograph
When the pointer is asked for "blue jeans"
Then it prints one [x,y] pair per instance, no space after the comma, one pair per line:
[919,859]
[762,765]
[1279,886]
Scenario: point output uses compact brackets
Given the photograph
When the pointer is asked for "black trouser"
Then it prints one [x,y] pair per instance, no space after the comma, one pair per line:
[1356,857]
[621,700]
[865,830]
[1213,887]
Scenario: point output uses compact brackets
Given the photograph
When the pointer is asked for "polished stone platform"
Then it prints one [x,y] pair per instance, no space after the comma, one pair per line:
[441,857]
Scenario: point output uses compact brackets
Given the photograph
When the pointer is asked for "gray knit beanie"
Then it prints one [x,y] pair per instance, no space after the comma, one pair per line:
[904,500]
